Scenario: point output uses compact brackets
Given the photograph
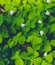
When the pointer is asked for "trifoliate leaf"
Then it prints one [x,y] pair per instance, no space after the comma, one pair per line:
[10,43]
[21,40]
[32,24]
[37,61]
[52,42]
[36,54]
[16,55]
[18,34]
[19,61]
[52,28]
[24,55]
[33,55]
[32,15]
[5,47]
[36,47]
[44,62]
[36,40]
[29,38]
[29,49]
[26,29]
[53,53]
[47,47]
[49,58]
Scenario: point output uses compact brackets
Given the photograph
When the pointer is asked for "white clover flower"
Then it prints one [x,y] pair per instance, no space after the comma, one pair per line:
[41,32]
[48,1]
[47,13]
[45,54]
[39,21]
[23,25]
[11,12]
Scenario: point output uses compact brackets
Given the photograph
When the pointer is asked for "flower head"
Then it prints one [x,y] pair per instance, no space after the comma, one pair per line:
[41,32]
[22,25]
[45,54]
[39,21]
[47,13]
[48,1]
[11,12]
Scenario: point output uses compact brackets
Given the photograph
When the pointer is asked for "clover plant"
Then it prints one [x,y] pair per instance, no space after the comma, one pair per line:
[27,32]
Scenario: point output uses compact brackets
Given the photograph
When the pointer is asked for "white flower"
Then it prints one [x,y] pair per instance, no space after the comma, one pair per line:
[47,13]
[23,25]
[41,32]
[39,21]
[45,54]
[48,1]
[11,12]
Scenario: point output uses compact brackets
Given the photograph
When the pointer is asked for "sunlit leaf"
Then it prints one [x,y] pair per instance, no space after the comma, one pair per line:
[19,61]
[49,58]
[52,42]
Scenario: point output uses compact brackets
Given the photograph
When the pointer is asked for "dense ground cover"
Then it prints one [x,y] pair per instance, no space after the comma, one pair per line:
[27,32]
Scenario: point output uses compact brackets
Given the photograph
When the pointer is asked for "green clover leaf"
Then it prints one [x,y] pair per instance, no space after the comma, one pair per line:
[52,42]
[19,61]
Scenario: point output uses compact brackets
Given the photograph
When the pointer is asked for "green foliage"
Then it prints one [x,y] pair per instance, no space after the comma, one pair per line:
[29,39]
[30,1]
[29,49]
[1,39]
[36,47]
[47,48]
[24,55]
[52,42]
[26,7]
[5,33]
[1,62]
[10,43]
[22,40]
[36,40]
[19,61]
[53,53]
[51,19]
[15,56]
[27,32]
[45,63]
[49,58]
[37,61]
[1,19]
[24,1]
[52,28]
[19,21]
